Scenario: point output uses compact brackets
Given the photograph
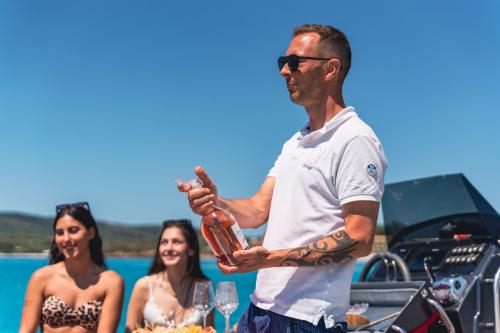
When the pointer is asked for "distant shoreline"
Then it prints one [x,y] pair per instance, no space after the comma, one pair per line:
[41,255]
[24,255]
[46,256]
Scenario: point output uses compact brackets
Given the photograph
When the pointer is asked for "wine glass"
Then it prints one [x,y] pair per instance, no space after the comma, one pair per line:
[226,300]
[203,299]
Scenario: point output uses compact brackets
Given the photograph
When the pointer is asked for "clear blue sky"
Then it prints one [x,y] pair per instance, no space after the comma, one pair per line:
[111,101]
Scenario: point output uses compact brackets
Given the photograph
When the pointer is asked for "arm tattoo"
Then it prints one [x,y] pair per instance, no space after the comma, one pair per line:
[334,248]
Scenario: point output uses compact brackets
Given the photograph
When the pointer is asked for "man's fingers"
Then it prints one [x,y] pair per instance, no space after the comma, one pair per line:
[254,255]
[227,269]
[243,254]
[203,200]
[183,187]
[202,175]
[198,193]
[205,209]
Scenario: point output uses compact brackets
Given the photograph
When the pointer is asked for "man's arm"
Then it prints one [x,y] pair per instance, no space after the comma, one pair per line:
[354,241]
[250,212]
[254,211]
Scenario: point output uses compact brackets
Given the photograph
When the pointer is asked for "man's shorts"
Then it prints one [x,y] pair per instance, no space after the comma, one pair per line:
[257,320]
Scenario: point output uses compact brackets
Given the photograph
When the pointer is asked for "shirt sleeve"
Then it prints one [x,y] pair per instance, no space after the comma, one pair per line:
[361,171]
[274,170]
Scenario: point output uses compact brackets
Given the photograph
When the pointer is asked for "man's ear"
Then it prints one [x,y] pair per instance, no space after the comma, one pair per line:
[333,69]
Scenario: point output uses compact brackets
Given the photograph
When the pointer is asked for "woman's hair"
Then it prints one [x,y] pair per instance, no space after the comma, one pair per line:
[81,212]
[193,268]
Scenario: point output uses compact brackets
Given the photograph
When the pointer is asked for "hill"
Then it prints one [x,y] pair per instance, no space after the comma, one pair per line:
[23,233]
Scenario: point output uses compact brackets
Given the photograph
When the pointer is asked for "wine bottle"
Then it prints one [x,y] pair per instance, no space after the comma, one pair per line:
[223,234]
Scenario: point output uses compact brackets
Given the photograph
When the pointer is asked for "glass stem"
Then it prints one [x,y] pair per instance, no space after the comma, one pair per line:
[204,321]
[227,330]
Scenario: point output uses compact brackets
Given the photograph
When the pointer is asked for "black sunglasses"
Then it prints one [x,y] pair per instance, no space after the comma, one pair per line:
[83,204]
[293,61]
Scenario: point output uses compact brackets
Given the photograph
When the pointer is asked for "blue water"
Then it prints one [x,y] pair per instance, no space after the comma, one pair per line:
[15,274]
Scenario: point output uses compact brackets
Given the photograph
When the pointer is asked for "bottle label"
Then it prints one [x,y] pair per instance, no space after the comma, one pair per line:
[239,235]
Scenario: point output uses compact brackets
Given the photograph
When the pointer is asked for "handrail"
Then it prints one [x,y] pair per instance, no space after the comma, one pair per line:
[377,321]
[496,301]
[386,263]
[442,315]
[398,329]
[386,257]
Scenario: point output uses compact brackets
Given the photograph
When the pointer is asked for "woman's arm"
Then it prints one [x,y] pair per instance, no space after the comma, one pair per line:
[113,302]
[136,305]
[33,300]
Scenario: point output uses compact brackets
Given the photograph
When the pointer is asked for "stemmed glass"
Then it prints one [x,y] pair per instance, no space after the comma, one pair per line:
[203,299]
[226,300]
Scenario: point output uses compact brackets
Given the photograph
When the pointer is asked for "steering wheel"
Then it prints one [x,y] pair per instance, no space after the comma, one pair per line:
[389,259]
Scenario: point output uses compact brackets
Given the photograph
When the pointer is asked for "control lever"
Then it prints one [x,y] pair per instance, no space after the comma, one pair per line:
[428,269]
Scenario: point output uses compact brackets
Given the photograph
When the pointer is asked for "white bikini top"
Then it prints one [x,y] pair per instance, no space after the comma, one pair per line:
[153,315]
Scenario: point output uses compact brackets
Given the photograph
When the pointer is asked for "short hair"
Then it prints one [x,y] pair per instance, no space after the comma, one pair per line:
[333,40]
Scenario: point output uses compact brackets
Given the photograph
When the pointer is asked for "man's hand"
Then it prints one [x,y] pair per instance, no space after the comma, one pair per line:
[201,199]
[253,259]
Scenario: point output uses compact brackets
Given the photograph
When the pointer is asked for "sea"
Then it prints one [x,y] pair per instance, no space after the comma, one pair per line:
[16,271]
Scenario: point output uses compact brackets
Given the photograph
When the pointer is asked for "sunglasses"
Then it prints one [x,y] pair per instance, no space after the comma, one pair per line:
[293,61]
[83,205]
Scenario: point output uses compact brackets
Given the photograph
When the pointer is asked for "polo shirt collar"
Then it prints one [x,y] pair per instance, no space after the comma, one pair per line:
[330,125]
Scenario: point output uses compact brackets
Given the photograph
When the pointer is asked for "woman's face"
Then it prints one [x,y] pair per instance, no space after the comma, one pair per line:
[174,249]
[71,237]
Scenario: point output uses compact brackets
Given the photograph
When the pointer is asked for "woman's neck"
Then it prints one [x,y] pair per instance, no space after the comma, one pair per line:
[79,267]
[175,276]
[179,284]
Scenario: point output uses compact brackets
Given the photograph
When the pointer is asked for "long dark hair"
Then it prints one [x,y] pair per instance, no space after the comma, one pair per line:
[81,213]
[193,268]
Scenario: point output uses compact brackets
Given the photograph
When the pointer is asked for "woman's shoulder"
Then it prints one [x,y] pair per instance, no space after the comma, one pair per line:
[112,280]
[45,272]
[111,276]
[144,282]
[43,276]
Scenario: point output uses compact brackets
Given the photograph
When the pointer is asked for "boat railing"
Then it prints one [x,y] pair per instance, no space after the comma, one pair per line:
[496,301]
[442,315]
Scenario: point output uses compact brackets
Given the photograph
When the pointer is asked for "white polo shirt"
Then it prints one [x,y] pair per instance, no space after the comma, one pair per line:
[316,173]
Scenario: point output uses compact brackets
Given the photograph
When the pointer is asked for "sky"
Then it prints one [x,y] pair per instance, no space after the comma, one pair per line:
[111,102]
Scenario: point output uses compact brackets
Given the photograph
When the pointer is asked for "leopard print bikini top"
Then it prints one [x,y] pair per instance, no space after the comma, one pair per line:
[56,313]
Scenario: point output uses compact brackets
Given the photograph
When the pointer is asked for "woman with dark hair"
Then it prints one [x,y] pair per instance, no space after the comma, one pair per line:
[164,297]
[75,292]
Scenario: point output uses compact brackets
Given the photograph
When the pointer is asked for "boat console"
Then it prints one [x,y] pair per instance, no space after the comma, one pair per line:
[442,273]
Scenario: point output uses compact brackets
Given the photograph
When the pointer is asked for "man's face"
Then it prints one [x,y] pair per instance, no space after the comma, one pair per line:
[306,84]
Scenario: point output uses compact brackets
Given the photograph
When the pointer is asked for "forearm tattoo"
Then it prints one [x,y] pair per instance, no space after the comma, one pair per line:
[328,250]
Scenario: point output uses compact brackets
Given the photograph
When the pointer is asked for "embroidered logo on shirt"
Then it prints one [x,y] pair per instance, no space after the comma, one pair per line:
[372,169]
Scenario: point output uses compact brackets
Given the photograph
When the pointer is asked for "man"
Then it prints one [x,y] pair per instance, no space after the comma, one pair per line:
[320,199]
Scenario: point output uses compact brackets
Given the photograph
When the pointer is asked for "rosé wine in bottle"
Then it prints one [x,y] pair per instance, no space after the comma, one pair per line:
[222,232]
[223,235]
